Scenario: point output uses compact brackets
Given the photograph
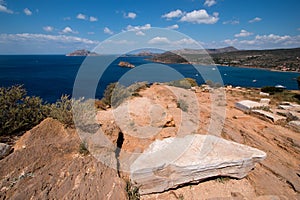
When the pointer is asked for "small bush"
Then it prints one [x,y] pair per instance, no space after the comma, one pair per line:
[182,105]
[83,149]
[132,191]
[18,111]
[62,111]
[271,89]
[116,93]
[185,83]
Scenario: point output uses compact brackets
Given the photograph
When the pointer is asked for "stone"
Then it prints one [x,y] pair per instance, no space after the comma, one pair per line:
[247,105]
[172,162]
[264,94]
[276,119]
[265,101]
[294,125]
[4,150]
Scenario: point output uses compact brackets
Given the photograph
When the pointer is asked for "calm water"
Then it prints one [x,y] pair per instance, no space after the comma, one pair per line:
[50,76]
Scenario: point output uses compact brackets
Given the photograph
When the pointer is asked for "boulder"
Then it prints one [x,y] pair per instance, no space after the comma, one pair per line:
[172,162]
[276,119]
[4,150]
[247,105]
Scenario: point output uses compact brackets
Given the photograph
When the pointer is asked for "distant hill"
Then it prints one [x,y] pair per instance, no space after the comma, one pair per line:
[82,52]
[275,59]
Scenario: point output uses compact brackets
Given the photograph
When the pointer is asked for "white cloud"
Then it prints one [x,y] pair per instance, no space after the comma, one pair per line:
[67,18]
[138,28]
[91,33]
[93,19]
[173,14]
[256,19]
[48,28]
[27,11]
[108,31]
[200,17]
[184,41]
[159,40]
[68,30]
[3,7]
[210,3]
[266,41]
[243,33]
[298,29]
[175,26]
[140,33]
[166,41]
[44,37]
[130,15]
[232,22]
[81,16]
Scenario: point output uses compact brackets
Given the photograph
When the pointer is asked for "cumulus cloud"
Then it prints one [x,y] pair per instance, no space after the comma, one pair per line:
[48,28]
[175,26]
[243,33]
[93,19]
[166,41]
[27,11]
[256,19]
[266,41]
[68,30]
[130,15]
[81,16]
[159,40]
[200,17]
[173,14]
[138,28]
[108,31]
[140,33]
[210,3]
[232,22]
[3,7]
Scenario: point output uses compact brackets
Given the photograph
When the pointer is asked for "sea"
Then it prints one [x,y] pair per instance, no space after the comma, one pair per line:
[50,76]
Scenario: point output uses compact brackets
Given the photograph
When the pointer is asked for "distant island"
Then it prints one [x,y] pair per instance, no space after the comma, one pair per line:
[275,59]
[82,52]
[126,64]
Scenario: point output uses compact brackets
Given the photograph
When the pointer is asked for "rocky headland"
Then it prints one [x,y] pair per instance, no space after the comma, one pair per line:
[246,157]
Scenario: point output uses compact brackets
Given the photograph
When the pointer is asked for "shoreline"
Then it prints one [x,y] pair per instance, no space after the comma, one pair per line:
[222,65]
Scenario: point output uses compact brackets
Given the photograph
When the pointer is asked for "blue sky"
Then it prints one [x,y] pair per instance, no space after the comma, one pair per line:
[61,26]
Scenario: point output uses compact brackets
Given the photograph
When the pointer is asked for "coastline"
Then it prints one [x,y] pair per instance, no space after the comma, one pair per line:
[222,65]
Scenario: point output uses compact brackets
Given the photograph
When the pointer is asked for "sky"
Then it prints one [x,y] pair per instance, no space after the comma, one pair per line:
[62,26]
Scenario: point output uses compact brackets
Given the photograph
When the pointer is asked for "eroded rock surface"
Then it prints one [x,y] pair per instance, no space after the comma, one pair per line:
[172,162]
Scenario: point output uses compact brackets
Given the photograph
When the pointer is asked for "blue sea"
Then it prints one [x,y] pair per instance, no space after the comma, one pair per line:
[50,76]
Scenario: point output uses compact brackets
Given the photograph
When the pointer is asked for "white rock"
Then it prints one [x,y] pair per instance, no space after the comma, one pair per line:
[247,105]
[172,162]
[4,150]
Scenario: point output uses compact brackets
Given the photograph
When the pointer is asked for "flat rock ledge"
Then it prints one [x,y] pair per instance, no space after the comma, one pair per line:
[173,162]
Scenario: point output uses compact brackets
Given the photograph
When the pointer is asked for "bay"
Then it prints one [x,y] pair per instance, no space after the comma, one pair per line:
[50,76]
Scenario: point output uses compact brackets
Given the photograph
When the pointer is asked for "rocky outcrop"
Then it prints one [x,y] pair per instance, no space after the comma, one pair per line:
[173,162]
[126,64]
[46,164]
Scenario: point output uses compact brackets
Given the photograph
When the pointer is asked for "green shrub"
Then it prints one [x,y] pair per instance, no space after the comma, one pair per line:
[62,111]
[132,191]
[271,89]
[182,105]
[115,93]
[83,149]
[185,83]
[18,111]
